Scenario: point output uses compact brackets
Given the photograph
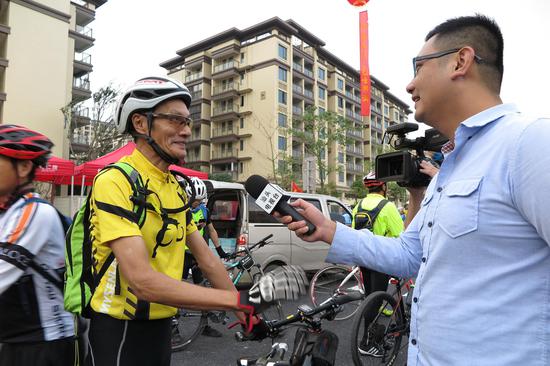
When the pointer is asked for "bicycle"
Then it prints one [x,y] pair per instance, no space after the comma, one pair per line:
[188,323]
[380,343]
[305,349]
[334,280]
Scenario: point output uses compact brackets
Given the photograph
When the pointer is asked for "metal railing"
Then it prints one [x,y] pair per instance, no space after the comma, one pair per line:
[223,131]
[81,83]
[297,153]
[83,139]
[227,153]
[355,133]
[85,31]
[308,72]
[354,167]
[196,94]
[226,66]
[296,66]
[297,110]
[83,57]
[226,87]
[297,89]
[308,93]
[228,108]
[354,150]
[81,112]
[193,76]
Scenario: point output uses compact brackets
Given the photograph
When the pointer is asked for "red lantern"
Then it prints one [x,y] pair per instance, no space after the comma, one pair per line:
[358,2]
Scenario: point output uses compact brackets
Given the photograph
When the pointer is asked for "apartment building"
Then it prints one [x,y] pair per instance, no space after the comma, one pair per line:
[44,67]
[250,85]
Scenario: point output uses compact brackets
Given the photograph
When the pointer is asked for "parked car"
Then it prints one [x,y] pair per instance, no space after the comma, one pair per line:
[239,221]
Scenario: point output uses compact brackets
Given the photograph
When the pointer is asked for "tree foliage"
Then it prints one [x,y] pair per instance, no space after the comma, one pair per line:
[318,132]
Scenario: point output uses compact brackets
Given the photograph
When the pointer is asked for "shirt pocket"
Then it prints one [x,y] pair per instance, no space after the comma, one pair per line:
[460,207]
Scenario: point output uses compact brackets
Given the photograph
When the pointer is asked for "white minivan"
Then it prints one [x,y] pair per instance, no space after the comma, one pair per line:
[239,221]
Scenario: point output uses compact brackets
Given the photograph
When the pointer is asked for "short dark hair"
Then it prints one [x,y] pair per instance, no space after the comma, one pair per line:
[483,35]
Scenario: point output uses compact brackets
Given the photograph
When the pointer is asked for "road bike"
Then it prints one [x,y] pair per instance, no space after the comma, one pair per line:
[188,324]
[311,342]
[380,324]
[336,280]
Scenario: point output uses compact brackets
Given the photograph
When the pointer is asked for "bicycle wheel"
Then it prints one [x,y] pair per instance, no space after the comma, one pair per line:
[376,337]
[328,280]
[187,325]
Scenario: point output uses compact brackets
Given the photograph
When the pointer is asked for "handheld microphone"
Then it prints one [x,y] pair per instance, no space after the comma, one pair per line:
[272,198]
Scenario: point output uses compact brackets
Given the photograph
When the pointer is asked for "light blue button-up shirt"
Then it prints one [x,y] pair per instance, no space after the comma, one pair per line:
[479,246]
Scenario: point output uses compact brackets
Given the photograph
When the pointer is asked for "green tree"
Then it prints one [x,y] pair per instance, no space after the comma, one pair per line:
[222,177]
[319,132]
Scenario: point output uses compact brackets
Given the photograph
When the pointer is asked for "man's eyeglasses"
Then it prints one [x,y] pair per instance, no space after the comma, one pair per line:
[175,119]
[439,54]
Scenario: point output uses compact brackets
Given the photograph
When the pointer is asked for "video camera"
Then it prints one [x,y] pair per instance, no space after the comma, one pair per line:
[402,166]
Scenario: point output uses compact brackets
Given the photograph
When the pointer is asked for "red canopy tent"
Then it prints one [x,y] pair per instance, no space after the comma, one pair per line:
[87,171]
[58,171]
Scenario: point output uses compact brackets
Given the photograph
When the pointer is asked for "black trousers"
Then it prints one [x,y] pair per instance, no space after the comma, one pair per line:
[129,342]
[61,352]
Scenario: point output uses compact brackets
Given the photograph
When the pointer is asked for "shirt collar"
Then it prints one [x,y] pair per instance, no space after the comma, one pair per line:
[489,115]
[143,164]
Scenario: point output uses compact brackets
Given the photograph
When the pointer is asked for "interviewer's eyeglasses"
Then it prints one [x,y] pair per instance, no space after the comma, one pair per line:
[439,54]
[175,119]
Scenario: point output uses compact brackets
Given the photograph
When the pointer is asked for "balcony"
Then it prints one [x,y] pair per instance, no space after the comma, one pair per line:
[84,13]
[82,64]
[225,112]
[83,38]
[225,70]
[353,115]
[297,89]
[228,90]
[196,94]
[308,72]
[224,133]
[355,133]
[232,173]
[354,150]
[194,76]
[308,94]
[296,66]
[298,111]
[354,168]
[297,154]
[81,116]
[224,154]
[80,141]
[81,89]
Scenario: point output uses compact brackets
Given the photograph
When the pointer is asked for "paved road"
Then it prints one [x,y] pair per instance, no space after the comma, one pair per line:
[224,351]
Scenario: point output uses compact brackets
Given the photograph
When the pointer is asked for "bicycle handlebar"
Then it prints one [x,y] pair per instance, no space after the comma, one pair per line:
[261,243]
[305,315]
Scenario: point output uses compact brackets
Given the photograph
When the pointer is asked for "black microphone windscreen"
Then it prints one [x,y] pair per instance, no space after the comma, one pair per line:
[255,184]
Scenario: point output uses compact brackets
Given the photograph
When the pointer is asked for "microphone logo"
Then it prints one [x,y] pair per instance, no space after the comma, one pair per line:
[270,196]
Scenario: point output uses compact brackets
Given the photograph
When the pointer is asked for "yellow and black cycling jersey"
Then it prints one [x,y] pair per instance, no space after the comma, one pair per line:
[164,237]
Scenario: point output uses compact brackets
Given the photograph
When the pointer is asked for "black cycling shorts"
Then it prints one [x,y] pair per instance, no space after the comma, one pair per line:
[61,352]
[129,342]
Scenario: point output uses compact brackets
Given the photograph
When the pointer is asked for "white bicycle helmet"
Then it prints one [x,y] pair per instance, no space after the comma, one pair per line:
[146,94]
[200,189]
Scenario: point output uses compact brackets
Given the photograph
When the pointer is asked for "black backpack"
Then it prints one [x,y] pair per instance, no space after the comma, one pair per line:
[364,219]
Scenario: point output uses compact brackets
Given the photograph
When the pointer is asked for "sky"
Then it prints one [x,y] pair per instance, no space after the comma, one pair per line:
[133,37]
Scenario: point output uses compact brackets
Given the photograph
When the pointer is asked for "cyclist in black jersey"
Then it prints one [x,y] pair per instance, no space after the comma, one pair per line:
[34,328]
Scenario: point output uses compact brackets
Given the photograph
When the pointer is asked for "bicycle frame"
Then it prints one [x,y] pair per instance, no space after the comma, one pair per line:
[400,304]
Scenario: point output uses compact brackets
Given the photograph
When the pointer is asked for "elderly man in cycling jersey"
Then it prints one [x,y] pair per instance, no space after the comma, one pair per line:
[34,329]
[139,292]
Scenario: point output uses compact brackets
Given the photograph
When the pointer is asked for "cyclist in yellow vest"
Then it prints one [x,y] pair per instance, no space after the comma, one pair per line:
[386,221]
[201,217]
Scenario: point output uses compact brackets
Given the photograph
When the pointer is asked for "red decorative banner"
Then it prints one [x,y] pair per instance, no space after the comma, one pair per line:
[364,62]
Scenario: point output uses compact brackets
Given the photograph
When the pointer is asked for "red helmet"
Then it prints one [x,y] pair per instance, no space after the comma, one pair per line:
[21,143]
[370,181]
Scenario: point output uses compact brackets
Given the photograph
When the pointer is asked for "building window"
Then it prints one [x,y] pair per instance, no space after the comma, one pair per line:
[282,74]
[241,145]
[282,143]
[242,100]
[340,102]
[340,84]
[241,167]
[321,93]
[341,177]
[282,52]
[321,110]
[282,97]
[386,110]
[282,120]
[341,157]
[242,57]
[321,73]
[242,123]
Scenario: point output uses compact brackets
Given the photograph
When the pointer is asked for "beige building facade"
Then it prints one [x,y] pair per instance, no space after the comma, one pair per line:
[251,86]
[44,67]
